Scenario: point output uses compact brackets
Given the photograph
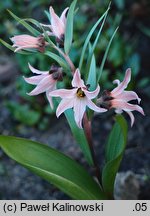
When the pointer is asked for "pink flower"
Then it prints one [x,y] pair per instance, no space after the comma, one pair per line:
[118,98]
[28,42]
[45,81]
[77,98]
[58,24]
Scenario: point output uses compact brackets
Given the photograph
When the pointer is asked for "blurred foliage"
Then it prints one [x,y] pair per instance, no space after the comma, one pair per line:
[123,52]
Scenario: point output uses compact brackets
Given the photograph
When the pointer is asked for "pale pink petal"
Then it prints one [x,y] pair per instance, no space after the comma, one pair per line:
[37,71]
[57,24]
[92,94]
[131,117]
[116,82]
[64,105]
[123,84]
[64,93]
[92,106]
[119,104]
[79,110]
[34,80]
[77,81]
[43,86]
[128,95]
[22,40]
[25,47]
[63,15]
[48,96]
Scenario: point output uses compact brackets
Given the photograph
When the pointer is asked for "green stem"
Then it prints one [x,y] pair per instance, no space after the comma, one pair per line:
[67,58]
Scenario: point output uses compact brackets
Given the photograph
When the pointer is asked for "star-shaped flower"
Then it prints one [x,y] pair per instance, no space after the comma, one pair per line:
[77,98]
[118,98]
[45,81]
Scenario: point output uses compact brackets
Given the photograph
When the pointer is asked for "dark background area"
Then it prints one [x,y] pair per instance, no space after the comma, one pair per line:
[31,117]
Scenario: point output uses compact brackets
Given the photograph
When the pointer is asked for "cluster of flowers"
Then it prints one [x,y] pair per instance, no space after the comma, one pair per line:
[79,97]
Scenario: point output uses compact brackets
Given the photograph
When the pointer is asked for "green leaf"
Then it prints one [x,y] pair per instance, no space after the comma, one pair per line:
[69,27]
[114,152]
[25,24]
[105,56]
[92,75]
[89,37]
[97,37]
[58,59]
[79,136]
[52,166]
[12,48]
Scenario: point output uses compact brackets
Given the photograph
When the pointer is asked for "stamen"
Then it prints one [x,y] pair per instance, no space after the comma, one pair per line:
[80,93]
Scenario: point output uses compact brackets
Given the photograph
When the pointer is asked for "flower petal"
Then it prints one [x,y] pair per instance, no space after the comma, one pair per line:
[77,81]
[34,80]
[131,117]
[64,93]
[92,94]
[25,47]
[123,84]
[79,110]
[36,71]
[119,104]
[63,16]
[48,96]
[92,106]
[43,86]
[64,105]
[128,95]
[57,24]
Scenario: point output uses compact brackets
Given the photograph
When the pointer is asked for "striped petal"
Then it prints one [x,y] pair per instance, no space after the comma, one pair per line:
[43,86]
[92,106]
[92,94]
[63,16]
[79,110]
[36,71]
[34,80]
[128,95]
[123,85]
[64,93]
[119,104]
[64,105]
[131,117]
[57,24]
[77,81]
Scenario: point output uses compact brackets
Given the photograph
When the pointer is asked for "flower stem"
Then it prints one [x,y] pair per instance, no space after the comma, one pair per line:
[67,58]
[87,129]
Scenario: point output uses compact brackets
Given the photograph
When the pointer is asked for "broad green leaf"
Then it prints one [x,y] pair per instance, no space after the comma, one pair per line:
[79,136]
[57,58]
[12,48]
[52,166]
[69,27]
[114,152]
[88,39]
[25,24]
[105,56]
